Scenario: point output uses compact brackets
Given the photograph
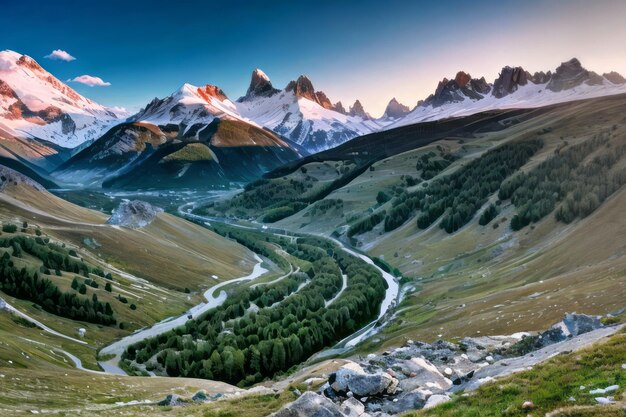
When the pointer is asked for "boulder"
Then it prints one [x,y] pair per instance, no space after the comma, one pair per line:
[352,377]
[425,375]
[412,400]
[312,404]
[352,407]
[339,380]
[581,323]
[435,400]
[134,214]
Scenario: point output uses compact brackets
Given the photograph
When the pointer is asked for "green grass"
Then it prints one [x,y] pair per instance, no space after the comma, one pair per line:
[549,386]
[193,152]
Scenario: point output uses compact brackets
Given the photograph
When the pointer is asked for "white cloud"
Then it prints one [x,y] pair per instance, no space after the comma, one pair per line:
[91,81]
[60,55]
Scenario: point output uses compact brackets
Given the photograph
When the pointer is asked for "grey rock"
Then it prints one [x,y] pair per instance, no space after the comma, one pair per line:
[134,214]
[353,407]
[312,404]
[352,378]
[568,75]
[509,81]
[408,401]
[396,109]
[614,77]
[435,400]
[581,323]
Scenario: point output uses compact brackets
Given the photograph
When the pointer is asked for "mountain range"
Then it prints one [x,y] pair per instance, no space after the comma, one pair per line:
[198,135]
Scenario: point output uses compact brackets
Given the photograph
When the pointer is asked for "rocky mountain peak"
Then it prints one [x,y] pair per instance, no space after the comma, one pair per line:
[323,100]
[395,109]
[568,75]
[461,87]
[260,86]
[302,87]
[210,90]
[30,63]
[509,80]
[462,78]
[541,77]
[614,77]
[357,110]
[338,107]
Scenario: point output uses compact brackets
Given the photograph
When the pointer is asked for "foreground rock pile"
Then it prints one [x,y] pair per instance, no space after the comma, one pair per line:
[134,214]
[422,375]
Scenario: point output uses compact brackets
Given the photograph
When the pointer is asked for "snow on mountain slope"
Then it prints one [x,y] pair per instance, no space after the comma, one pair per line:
[35,104]
[516,88]
[298,114]
[189,105]
[528,96]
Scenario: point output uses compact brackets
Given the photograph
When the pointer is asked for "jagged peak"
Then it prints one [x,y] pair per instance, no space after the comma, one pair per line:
[614,77]
[211,90]
[357,110]
[462,78]
[395,109]
[338,107]
[302,87]
[260,86]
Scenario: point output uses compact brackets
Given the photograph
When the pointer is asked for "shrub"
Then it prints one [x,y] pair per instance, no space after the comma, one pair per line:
[9,228]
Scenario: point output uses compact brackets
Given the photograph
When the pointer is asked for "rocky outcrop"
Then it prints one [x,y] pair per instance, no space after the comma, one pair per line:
[580,323]
[357,110]
[312,404]
[134,214]
[322,100]
[210,90]
[541,77]
[462,87]
[302,87]
[614,77]
[395,109]
[423,375]
[352,378]
[568,75]
[260,86]
[509,80]
[10,177]
[338,107]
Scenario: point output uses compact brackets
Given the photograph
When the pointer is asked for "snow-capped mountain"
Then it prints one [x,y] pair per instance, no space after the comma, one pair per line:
[304,115]
[35,104]
[514,88]
[298,113]
[191,108]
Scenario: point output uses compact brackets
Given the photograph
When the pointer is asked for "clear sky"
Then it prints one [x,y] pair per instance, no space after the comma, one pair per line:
[370,50]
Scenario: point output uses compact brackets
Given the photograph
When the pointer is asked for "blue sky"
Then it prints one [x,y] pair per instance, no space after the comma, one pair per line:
[370,50]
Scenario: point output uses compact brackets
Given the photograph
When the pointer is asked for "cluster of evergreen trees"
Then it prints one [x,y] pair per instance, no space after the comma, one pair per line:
[488,215]
[30,286]
[22,283]
[279,213]
[568,177]
[366,224]
[458,196]
[53,256]
[430,164]
[238,346]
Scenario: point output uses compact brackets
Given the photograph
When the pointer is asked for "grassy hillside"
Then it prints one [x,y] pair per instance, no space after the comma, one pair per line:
[489,277]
